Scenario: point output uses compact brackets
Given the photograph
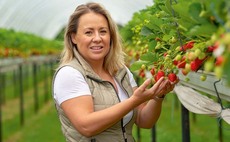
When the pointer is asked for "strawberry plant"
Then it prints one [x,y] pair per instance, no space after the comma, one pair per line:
[18,44]
[180,36]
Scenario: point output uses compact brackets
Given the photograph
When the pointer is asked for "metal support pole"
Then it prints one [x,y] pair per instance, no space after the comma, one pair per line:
[138,134]
[185,124]
[154,134]
[0,118]
[0,110]
[35,88]
[3,87]
[46,83]
[220,131]
[21,95]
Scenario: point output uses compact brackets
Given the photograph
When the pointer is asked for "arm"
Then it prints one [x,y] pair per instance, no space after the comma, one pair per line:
[80,111]
[149,112]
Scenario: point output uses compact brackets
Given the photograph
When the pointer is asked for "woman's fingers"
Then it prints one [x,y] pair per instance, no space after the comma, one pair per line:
[145,84]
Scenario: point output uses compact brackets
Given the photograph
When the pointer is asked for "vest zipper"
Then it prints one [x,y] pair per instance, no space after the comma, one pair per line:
[123,131]
[122,127]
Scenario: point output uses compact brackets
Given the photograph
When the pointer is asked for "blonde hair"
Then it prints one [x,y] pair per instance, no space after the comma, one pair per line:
[115,58]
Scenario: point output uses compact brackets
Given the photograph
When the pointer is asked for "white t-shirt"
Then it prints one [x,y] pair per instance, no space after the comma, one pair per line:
[70,83]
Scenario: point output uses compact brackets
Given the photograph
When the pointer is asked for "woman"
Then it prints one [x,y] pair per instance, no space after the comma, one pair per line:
[96,96]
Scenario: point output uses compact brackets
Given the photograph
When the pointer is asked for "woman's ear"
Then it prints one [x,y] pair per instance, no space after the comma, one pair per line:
[73,38]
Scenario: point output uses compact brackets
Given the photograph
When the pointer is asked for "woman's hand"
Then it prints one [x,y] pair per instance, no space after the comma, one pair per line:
[161,87]
[149,112]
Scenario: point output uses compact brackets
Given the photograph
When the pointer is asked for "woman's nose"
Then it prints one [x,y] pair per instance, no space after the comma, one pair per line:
[97,37]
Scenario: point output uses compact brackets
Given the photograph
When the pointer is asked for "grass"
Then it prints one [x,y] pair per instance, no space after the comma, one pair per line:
[44,126]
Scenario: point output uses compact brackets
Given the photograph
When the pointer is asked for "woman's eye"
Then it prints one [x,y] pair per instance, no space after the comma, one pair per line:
[88,33]
[103,32]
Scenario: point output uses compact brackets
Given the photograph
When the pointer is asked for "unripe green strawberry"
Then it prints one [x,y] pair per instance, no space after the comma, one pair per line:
[202,56]
[143,66]
[218,71]
[178,57]
[191,56]
[187,67]
[187,79]
[209,65]
[173,40]
[203,77]
[197,52]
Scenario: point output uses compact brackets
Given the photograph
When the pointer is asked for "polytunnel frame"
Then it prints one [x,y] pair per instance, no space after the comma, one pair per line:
[48,18]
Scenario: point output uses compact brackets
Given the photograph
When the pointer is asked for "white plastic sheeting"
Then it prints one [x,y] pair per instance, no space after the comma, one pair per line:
[200,104]
[47,17]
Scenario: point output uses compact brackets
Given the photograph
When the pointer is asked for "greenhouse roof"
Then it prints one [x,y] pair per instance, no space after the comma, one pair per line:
[47,18]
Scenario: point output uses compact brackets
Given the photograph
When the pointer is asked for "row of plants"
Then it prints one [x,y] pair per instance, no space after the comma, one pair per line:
[20,44]
[180,36]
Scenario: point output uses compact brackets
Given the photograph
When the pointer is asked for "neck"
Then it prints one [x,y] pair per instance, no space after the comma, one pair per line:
[97,67]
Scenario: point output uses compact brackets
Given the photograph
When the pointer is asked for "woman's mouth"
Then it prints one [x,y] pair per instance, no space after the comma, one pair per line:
[96,47]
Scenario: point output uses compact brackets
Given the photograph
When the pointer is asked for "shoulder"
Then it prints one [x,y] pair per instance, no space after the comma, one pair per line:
[68,72]
[68,69]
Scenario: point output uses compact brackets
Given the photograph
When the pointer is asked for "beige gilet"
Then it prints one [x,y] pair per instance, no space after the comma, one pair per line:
[104,96]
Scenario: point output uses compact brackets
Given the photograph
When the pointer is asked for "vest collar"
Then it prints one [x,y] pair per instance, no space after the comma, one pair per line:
[89,71]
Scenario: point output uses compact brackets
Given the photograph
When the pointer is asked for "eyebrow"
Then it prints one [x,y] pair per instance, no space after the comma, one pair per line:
[89,28]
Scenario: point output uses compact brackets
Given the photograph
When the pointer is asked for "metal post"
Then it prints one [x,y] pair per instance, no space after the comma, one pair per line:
[185,124]
[220,131]
[35,87]
[15,83]
[21,95]
[0,118]
[138,134]
[0,109]
[46,83]
[154,134]
[3,84]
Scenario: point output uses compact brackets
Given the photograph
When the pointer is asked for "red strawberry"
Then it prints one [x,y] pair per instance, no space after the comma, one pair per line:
[219,60]
[159,75]
[165,54]
[181,64]
[152,71]
[210,49]
[172,77]
[196,64]
[175,62]
[188,45]
[142,73]
[157,39]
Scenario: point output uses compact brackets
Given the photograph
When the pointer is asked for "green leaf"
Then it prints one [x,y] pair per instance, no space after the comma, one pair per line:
[167,37]
[149,57]
[194,11]
[183,10]
[137,65]
[156,21]
[205,30]
[152,45]
[145,31]
[168,7]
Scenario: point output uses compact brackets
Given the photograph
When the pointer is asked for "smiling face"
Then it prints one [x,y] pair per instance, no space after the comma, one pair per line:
[92,37]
